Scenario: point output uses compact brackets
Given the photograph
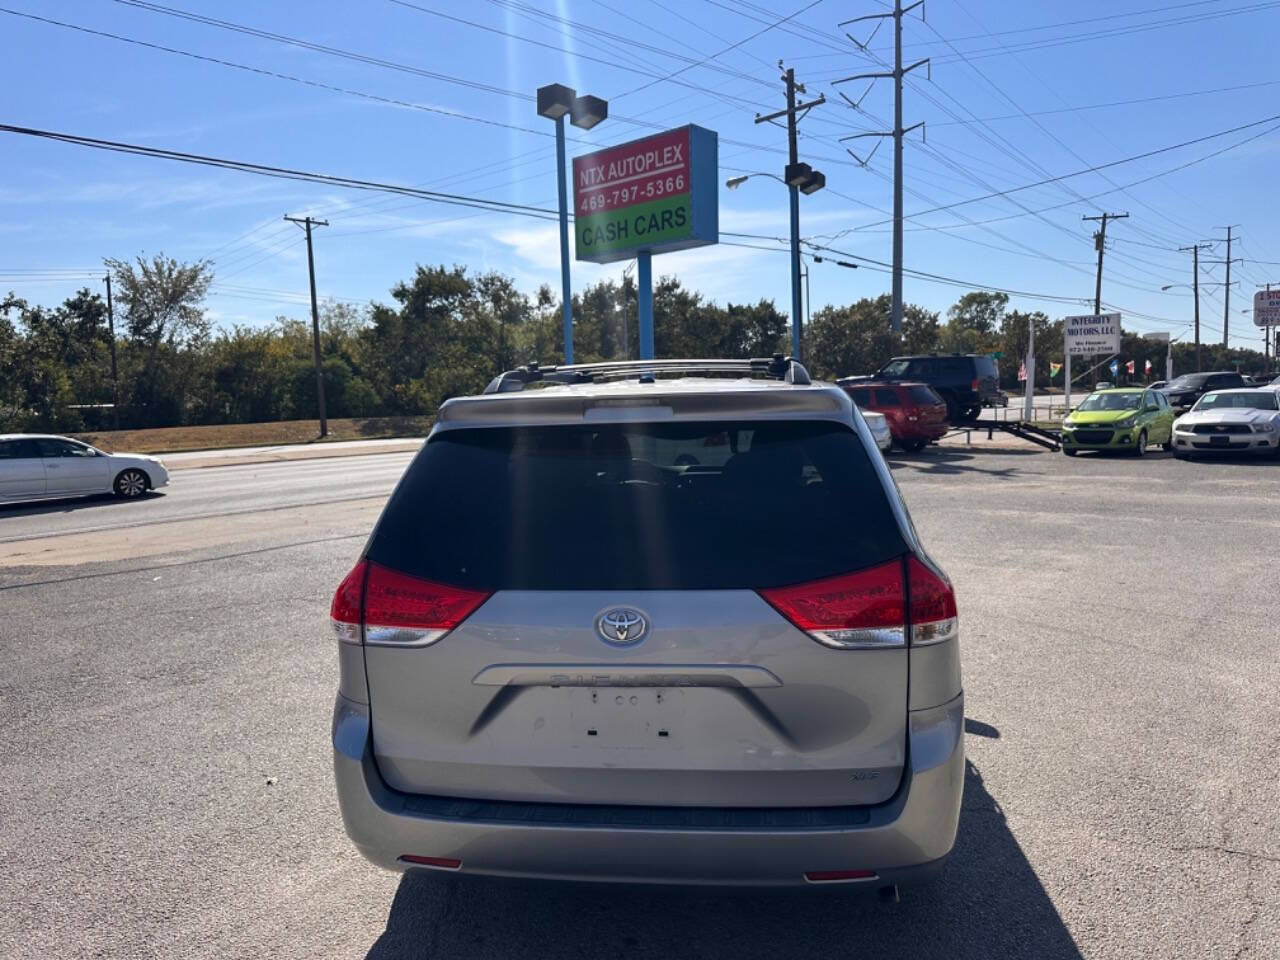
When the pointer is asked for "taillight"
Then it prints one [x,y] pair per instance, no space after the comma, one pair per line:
[345,613]
[384,607]
[933,605]
[974,386]
[857,610]
[868,609]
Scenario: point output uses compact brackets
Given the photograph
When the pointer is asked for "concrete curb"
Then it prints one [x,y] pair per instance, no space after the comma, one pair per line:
[212,458]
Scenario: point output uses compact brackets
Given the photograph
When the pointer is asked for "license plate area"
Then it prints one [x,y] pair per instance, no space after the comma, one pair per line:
[1219,441]
[624,718]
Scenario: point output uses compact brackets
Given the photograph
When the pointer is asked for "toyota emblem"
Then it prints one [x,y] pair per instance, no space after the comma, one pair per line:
[622,626]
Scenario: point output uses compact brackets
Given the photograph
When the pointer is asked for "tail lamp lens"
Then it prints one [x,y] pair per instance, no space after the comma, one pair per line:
[387,608]
[851,611]
[867,609]
[933,605]
[345,611]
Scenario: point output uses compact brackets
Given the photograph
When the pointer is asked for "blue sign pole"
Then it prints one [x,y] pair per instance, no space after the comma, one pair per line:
[644,280]
[795,272]
[565,293]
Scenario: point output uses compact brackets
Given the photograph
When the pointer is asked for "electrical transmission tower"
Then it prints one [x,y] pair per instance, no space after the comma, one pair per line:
[898,132]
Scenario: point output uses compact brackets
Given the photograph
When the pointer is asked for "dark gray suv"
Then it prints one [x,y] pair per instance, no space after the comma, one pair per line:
[660,622]
[967,382]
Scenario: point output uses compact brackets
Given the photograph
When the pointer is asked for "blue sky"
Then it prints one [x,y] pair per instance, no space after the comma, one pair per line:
[469,127]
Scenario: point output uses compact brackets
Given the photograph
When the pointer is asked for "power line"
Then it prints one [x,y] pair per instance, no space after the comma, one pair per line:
[283,173]
[1112,103]
[1093,169]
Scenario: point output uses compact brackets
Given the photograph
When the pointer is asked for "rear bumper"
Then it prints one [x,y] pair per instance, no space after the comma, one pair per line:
[904,840]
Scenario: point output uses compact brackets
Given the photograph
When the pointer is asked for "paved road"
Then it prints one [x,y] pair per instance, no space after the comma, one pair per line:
[164,782]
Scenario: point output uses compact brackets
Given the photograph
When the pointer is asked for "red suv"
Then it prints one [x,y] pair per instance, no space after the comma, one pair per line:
[917,415]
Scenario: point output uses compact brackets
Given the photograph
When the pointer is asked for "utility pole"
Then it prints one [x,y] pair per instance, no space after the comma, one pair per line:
[897,133]
[115,377]
[798,176]
[307,223]
[1100,241]
[1226,290]
[1195,286]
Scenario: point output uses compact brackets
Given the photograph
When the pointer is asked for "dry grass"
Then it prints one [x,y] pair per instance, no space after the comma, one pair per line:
[218,436]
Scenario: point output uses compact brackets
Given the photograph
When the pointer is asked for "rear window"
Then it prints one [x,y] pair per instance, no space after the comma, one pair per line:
[638,506]
[925,395]
[986,367]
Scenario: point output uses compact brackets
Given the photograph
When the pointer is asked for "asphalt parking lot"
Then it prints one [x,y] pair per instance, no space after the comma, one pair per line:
[164,719]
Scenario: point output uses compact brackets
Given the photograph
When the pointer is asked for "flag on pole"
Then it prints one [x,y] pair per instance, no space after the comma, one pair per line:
[1128,368]
[1054,369]
[1115,368]
[1148,368]
[1022,371]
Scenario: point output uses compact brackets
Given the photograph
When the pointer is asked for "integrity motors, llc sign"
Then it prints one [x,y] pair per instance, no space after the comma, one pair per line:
[1088,336]
[656,194]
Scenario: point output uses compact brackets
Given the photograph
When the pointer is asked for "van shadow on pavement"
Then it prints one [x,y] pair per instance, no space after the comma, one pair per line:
[988,903]
[943,462]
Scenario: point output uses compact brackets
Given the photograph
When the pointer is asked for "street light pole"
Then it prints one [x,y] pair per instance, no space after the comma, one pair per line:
[555,101]
[566,303]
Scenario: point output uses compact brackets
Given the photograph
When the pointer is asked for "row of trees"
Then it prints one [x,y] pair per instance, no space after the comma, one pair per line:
[444,332]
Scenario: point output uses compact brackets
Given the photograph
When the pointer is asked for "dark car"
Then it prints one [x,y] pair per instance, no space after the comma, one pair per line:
[1185,390]
[965,382]
[916,414]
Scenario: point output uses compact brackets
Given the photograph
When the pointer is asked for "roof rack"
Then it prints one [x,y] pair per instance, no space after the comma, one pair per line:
[776,367]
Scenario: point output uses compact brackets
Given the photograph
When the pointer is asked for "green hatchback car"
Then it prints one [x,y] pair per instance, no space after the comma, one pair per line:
[1122,418]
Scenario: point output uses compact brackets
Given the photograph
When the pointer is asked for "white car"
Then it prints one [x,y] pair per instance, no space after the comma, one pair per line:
[1230,421]
[43,467]
[879,425]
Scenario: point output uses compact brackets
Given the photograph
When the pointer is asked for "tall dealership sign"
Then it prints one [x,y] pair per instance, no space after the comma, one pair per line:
[1088,336]
[1266,308]
[654,195]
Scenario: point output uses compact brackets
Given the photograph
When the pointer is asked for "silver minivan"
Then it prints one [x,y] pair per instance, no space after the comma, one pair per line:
[661,622]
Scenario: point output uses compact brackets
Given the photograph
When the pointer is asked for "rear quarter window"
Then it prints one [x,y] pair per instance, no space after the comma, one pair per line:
[740,505]
[925,395]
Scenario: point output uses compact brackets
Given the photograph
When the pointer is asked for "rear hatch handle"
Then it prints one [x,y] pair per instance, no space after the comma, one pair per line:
[630,675]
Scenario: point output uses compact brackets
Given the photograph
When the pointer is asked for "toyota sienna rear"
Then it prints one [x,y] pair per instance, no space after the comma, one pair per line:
[620,626]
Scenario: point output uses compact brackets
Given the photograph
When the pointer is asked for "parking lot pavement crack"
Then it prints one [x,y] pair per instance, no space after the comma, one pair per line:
[1229,851]
[1245,946]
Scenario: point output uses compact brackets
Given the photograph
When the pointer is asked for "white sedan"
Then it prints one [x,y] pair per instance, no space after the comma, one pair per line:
[43,467]
[1230,421]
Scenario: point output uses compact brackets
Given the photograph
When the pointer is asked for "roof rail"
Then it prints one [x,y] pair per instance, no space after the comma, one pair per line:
[776,367]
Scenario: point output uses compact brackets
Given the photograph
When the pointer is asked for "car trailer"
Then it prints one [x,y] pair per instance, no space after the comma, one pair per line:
[1049,439]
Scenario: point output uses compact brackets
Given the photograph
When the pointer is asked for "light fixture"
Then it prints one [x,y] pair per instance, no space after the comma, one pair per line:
[587,111]
[555,100]
[733,183]
[796,174]
[813,183]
